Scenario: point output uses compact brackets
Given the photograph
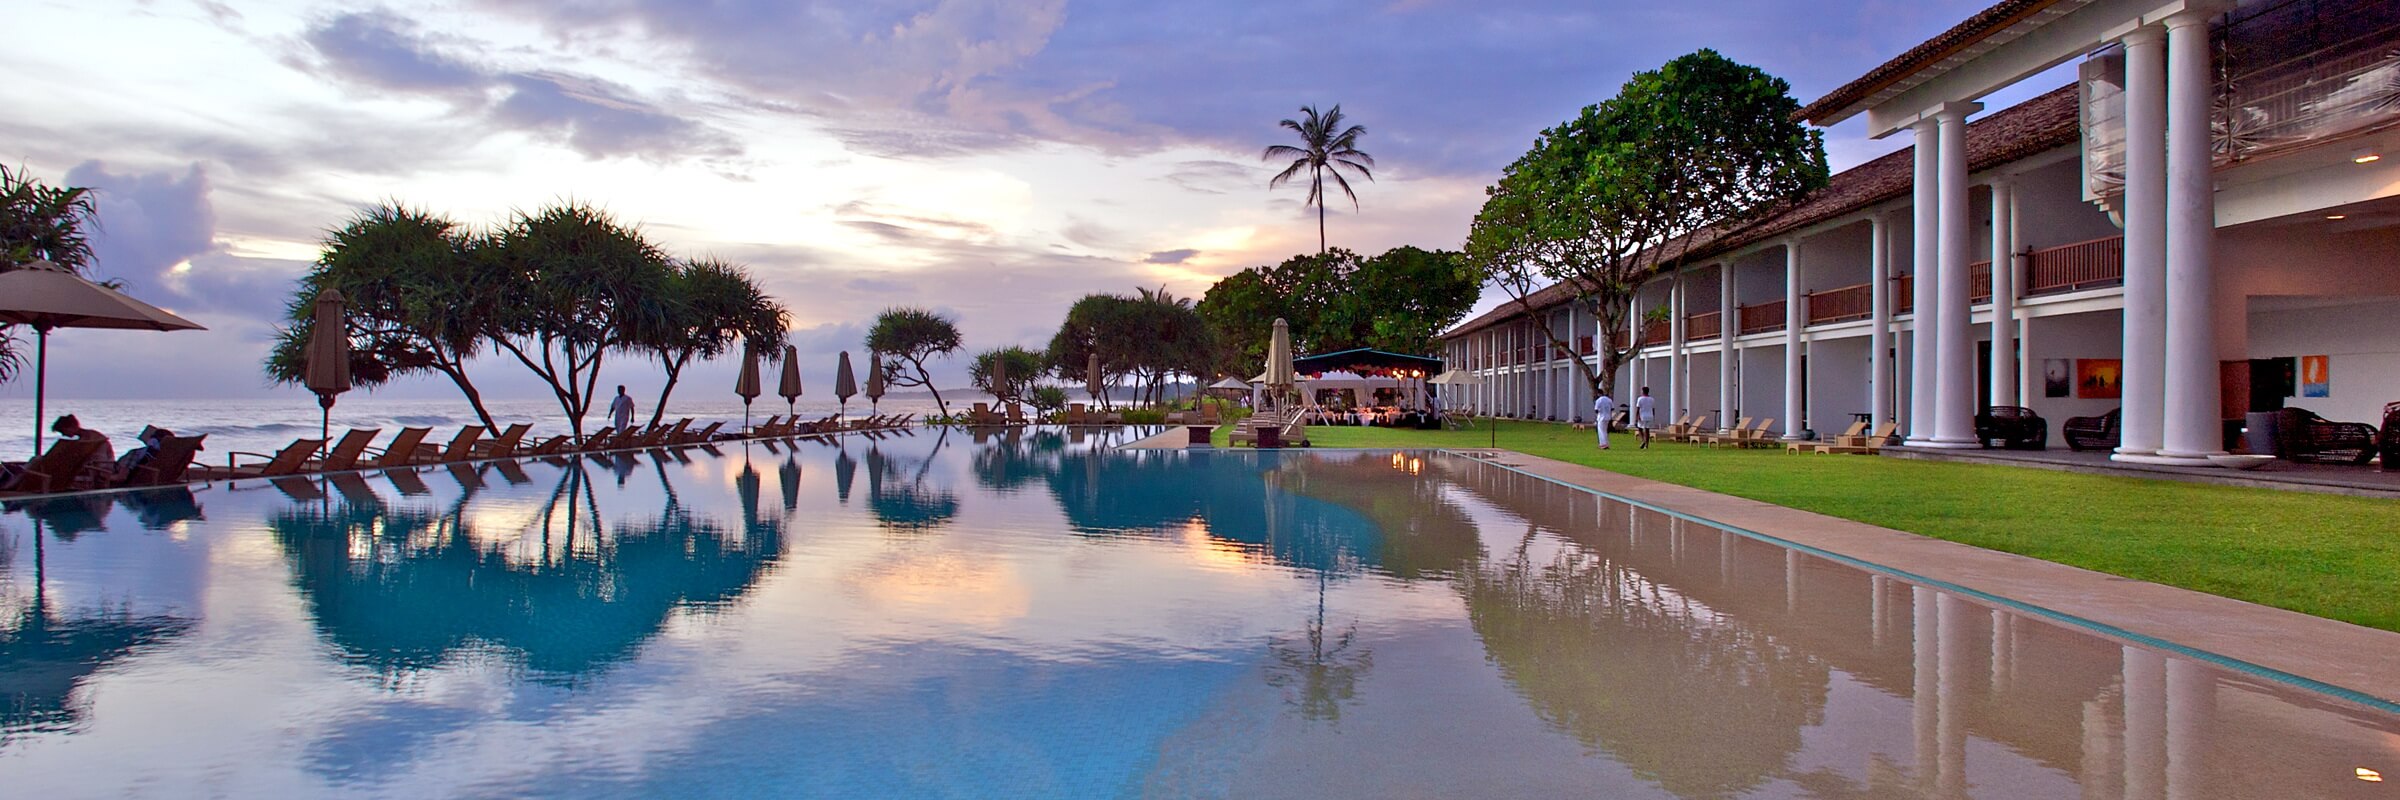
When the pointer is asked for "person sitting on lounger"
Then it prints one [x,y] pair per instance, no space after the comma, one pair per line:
[69,427]
[151,437]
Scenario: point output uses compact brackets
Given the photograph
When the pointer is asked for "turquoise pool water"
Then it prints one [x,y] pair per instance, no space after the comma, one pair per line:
[1034,615]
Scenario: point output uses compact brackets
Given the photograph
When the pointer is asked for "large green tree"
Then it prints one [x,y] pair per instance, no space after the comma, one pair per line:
[710,305]
[911,337]
[1326,150]
[1151,337]
[416,301]
[40,222]
[1397,301]
[578,285]
[1607,199]
[1023,367]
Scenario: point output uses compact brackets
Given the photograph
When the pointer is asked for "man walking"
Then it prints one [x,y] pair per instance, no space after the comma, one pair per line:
[1644,409]
[620,410]
[1604,408]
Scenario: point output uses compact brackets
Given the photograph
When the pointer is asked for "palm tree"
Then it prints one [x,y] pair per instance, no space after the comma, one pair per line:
[1326,149]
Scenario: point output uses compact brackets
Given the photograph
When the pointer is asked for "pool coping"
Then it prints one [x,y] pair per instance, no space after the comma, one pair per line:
[2270,643]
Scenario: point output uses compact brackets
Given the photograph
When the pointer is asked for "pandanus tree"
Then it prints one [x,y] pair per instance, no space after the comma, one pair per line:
[1326,150]
[911,337]
[710,307]
[578,285]
[416,303]
[1019,368]
[40,222]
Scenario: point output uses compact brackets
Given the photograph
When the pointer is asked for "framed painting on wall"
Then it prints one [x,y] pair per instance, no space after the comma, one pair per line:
[2058,377]
[2316,376]
[2099,378]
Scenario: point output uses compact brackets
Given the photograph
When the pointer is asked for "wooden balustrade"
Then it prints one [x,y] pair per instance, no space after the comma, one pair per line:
[1703,326]
[2074,267]
[1979,282]
[1762,317]
[1841,305]
[1654,332]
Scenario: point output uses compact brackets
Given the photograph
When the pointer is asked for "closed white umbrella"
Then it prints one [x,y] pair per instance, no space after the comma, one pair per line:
[45,297]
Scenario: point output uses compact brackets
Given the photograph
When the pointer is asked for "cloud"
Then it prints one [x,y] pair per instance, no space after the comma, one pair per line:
[150,222]
[597,118]
[1215,177]
[1171,256]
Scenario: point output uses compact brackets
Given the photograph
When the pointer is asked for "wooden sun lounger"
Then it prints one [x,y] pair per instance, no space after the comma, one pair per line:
[1693,430]
[510,442]
[401,452]
[552,446]
[1855,429]
[1723,436]
[346,452]
[291,460]
[460,448]
[1758,437]
[1871,444]
[703,436]
[56,469]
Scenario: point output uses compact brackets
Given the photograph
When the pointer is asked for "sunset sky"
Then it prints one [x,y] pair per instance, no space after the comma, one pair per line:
[993,160]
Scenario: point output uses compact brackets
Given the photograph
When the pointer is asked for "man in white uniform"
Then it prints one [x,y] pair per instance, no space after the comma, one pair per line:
[1644,411]
[1604,407]
[620,410]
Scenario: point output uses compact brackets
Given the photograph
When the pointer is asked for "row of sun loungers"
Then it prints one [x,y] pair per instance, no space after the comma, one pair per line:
[1749,432]
[67,465]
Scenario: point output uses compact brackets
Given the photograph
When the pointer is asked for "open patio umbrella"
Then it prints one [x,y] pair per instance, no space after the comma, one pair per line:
[789,387]
[328,357]
[845,383]
[41,295]
[874,383]
[746,384]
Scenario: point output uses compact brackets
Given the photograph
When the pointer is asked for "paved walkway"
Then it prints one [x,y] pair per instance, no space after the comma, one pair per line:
[2292,475]
[2353,657]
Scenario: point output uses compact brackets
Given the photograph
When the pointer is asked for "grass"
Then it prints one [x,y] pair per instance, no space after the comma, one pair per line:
[2327,555]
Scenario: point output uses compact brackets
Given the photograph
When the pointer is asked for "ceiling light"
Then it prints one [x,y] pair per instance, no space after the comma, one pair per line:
[2366,155]
[2337,216]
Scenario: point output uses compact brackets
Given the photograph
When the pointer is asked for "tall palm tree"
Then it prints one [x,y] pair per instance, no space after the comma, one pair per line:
[1326,149]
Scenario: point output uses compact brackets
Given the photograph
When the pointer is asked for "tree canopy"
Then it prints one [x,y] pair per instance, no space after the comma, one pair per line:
[1023,368]
[1326,150]
[1607,199]
[1398,301]
[1150,336]
[710,306]
[40,222]
[910,337]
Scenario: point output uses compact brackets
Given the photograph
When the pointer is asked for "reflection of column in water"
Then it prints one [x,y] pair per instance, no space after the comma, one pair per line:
[2145,677]
[2103,758]
[2004,637]
[1725,541]
[1924,719]
[1952,776]
[1878,612]
[2191,708]
[1791,581]
[1675,542]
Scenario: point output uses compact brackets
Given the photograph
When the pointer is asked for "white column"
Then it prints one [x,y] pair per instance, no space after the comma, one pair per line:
[1677,359]
[1726,329]
[2140,426]
[2004,293]
[1795,317]
[2194,429]
[1879,339]
[1927,301]
[1954,390]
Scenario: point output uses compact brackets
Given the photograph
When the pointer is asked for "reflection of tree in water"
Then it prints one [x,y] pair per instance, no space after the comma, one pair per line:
[1015,458]
[45,656]
[1701,704]
[1318,676]
[900,495]
[402,589]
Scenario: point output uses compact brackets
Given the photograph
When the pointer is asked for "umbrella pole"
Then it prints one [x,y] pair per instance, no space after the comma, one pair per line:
[41,374]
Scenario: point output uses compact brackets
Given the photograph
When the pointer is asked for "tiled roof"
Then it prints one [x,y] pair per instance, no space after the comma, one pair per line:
[2020,131]
[1959,37]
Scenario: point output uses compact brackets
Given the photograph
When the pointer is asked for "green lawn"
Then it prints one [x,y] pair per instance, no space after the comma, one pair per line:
[2327,555]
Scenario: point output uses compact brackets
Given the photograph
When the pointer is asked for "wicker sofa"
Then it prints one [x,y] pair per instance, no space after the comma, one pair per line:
[2092,433]
[2302,435]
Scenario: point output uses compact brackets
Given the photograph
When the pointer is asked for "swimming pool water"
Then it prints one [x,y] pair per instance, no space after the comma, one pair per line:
[1033,614]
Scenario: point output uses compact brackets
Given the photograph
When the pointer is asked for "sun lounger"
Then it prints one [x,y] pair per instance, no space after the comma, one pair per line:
[1871,444]
[168,461]
[460,448]
[1758,435]
[346,452]
[1723,436]
[708,434]
[1692,431]
[551,446]
[1075,415]
[510,442]
[55,470]
[291,460]
[402,451]
[1855,429]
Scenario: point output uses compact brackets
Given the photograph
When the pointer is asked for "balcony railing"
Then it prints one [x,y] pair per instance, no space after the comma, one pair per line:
[1762,317]
[1654,332]
[1841,305]
[1904,294]
[1703,326]
[1979,283]
[2075,267]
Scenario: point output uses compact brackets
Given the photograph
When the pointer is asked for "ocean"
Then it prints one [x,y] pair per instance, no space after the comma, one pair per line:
[265,425]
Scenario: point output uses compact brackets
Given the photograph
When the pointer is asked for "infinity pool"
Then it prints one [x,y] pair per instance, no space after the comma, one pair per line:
[1034,614]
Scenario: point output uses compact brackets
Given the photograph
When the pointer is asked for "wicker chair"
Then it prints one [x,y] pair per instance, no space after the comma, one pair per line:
[2302,435]
[2092,433]
[2391,437]
[2014,427]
